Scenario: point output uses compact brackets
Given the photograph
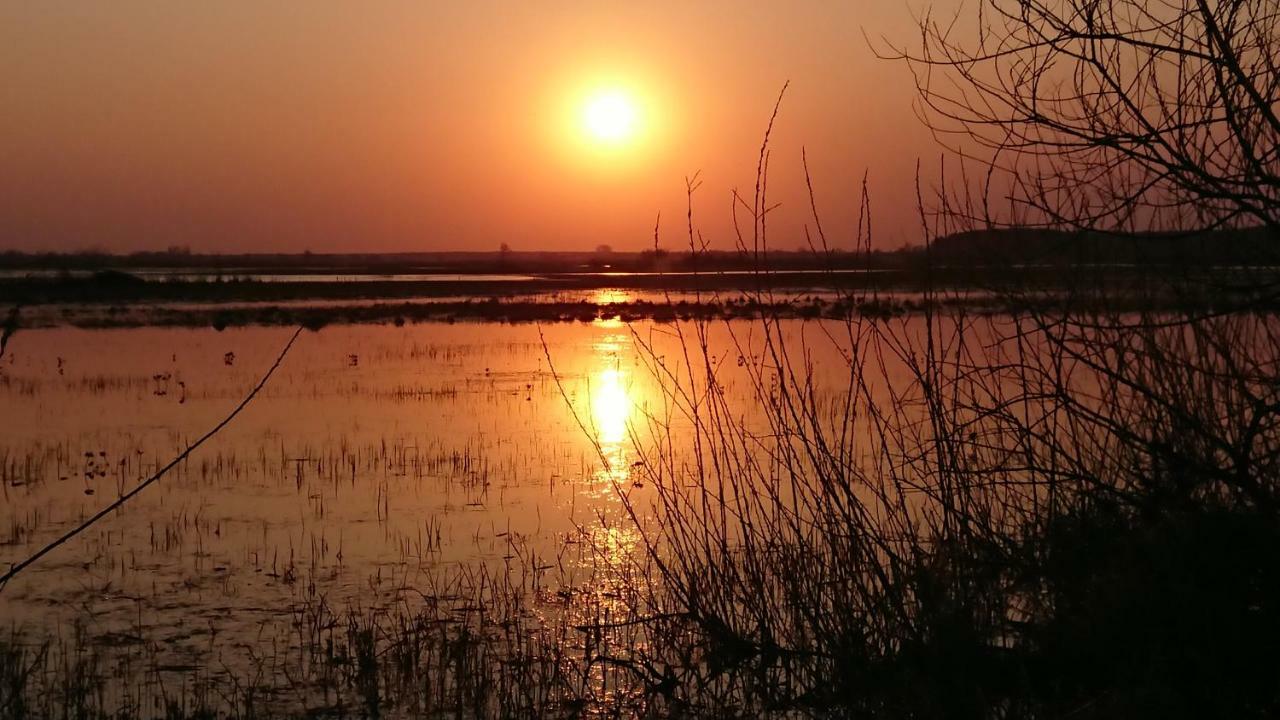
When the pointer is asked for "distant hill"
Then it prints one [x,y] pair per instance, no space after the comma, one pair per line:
[1029,246]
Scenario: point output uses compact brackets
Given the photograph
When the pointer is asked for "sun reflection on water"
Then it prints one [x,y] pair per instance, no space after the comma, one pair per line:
[616,403]
[611,407]
[610,296]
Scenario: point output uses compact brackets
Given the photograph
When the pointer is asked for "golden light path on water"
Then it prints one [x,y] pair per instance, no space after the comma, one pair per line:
[610,389]
[609,296]
[612,402]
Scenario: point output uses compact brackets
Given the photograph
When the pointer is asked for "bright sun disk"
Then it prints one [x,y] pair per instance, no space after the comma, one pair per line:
[610,117]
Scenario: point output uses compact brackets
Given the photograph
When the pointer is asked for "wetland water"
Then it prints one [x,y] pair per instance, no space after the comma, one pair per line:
[373,453]
[377,461]
[477,493]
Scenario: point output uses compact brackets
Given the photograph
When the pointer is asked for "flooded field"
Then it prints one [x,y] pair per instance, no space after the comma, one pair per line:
[379,466]
[373,450]
[589,518]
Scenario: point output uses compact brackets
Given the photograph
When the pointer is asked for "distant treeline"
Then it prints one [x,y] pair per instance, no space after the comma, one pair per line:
[977,248]
[535,262]
[1249,247]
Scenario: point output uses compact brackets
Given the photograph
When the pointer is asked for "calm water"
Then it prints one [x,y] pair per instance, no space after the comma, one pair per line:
[376,458]
[367,445]
[385,468]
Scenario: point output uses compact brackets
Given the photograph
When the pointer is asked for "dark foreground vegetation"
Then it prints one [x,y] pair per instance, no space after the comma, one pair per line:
[1051,512]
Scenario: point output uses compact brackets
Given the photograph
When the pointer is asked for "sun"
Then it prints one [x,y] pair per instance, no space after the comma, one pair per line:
[609,117]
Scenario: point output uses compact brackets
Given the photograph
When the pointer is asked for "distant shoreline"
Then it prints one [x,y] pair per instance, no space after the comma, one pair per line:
[973,249]
[473,289]
[711,307]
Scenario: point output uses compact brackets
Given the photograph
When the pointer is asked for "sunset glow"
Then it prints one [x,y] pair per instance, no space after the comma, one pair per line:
[306,134]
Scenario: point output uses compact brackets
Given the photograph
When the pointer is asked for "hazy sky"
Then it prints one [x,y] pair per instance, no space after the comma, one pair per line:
[391,126]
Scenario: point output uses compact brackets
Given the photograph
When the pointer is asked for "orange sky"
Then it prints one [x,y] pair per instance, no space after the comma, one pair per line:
[396,126]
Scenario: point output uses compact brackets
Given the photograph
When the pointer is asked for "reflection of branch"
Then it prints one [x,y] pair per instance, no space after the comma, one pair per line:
[19,567]
[10,327]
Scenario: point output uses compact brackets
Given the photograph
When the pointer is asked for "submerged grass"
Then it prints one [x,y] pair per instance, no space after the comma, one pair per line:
[531,640]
